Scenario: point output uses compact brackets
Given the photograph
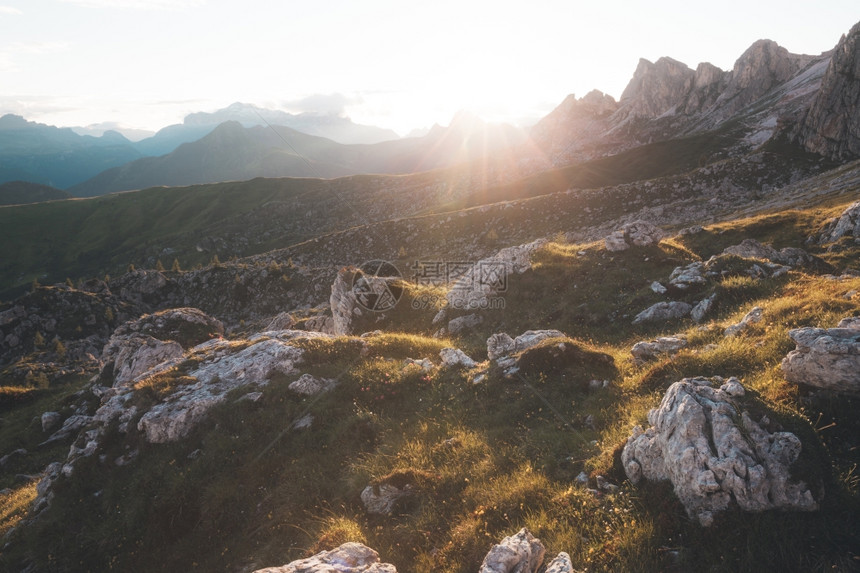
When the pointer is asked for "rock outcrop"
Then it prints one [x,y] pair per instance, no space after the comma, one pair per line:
[831,127]
[635,234]
[848,224]
[826,358]
[663,311]
[714,453]
[656,88]
[762,67]
[519,553]
[350,557]
[174,417]
[489,276]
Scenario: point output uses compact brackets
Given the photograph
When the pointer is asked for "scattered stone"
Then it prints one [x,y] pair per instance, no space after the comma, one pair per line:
[714,453]
[683,278]
[663,311]
[789,256]
[752,317]
[311,386]
[635,234]
[644,351]
[131,356]
[381,499]
[658,288]
[461,323]
[455,358]
[703,308]
[581,479]
[350,557]
[520,553]
[126,459]
[50,420]
[440,316]
[826,358]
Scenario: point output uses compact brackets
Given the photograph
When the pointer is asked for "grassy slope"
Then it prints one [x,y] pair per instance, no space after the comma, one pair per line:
[486,459]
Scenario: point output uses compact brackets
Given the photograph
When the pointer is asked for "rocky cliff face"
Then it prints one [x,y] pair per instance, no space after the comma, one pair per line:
[769,89]
[656,88]
[832,125]
[764,66]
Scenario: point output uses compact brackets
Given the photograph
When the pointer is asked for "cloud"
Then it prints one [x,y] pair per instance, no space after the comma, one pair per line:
[323,104]
[171,5]
[10,11]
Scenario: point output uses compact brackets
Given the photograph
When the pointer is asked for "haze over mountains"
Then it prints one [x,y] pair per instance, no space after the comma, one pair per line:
[767,89]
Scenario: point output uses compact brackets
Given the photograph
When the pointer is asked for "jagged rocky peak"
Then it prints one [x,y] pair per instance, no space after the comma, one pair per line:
[763,66]
[832,125]
[708,74]
[656,87]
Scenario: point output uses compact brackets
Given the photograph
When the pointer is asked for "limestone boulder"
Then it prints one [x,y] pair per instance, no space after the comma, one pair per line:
[519,553]
[826,358]
[716,456]
[350,557]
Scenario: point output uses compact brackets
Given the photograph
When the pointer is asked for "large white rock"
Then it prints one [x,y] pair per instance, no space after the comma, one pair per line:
[826,358]
[714,454]
[183,409]
[520,553]
[685,277]
[350,557]
[136,354]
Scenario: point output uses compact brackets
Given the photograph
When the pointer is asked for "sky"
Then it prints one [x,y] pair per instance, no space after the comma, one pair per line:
[397,64]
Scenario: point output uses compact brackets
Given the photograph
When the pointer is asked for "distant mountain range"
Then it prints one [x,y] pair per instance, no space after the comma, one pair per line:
[241,141]
[232,152]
